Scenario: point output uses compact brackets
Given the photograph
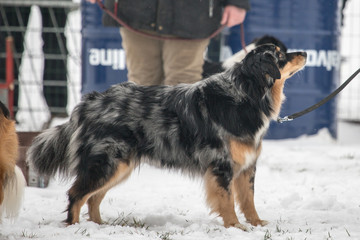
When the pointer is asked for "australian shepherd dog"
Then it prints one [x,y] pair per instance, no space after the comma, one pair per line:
[212,129]
[12,181]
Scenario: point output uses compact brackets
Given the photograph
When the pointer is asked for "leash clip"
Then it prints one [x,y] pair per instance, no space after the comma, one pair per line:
[284,119]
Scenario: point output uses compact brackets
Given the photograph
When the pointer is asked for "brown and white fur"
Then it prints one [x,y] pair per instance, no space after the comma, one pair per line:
[12,181]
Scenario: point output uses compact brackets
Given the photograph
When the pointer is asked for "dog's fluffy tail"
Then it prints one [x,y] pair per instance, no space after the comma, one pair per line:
[13,194]
[48,153]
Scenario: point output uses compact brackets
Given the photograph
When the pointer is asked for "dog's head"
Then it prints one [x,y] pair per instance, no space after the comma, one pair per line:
[267,62]
[266,39]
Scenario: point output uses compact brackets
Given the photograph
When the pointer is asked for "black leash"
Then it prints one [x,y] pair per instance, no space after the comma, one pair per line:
[320,103]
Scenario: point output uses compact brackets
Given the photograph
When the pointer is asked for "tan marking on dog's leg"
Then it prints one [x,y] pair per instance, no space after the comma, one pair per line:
[122,173]
[243,187]
[94,206]
[76,207]
[221,201]
[239,150]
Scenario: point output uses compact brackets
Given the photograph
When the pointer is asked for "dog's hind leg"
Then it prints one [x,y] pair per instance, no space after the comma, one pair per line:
[93,191]
[219,194]
[75,204]
[243,187]
[94,201]
[94,206]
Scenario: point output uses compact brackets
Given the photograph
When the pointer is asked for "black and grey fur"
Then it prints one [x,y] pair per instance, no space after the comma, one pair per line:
[185,127]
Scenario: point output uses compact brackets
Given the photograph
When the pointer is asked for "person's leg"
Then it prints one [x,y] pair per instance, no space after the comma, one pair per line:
[143,58]
[183,61]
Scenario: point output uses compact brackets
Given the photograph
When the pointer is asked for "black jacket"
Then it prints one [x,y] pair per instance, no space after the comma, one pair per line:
[181,18]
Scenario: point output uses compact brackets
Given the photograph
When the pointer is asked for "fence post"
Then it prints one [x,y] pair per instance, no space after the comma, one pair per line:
[10,74]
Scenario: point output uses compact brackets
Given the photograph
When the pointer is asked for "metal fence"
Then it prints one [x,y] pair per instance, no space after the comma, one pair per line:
[46,48]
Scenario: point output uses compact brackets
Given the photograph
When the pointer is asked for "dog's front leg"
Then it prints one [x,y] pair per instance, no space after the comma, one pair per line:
[243,187]
[220,196]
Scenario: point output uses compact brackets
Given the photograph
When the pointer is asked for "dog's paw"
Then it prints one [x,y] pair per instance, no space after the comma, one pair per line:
[240,226]
[258,222]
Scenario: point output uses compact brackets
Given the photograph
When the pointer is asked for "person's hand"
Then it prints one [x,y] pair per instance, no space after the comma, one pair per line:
[92,1]
[233,15]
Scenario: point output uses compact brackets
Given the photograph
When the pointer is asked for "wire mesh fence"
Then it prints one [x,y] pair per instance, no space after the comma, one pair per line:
[47,56]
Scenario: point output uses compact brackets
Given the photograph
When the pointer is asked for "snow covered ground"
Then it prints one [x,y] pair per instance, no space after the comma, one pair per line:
[307,188]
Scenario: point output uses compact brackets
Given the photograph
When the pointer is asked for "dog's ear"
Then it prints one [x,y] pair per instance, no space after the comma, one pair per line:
[268,66]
